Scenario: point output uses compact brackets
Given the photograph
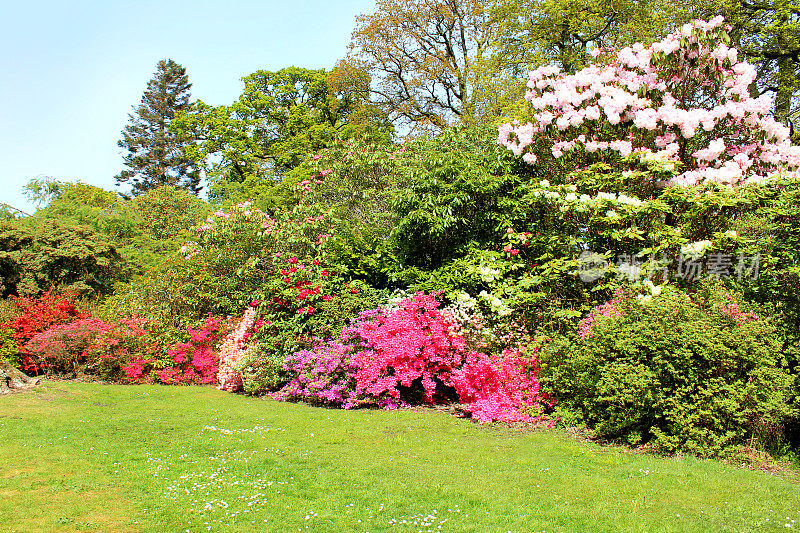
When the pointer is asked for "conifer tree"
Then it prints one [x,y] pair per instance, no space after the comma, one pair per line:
[154,154]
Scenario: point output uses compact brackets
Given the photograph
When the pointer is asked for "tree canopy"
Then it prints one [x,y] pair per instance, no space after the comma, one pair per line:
[277,121]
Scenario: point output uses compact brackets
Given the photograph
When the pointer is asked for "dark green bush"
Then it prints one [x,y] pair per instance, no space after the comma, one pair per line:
[677,373]
[261,368]
[36,254]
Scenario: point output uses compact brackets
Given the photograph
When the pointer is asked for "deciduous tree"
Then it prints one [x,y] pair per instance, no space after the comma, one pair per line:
[277,121]
[425,56]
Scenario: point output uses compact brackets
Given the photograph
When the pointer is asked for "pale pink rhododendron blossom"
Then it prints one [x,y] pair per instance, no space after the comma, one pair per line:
[231,350]
[683,100]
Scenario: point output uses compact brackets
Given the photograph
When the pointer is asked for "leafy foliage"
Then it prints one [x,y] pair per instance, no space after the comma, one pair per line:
[9,348]
[279,118]
[37,254]
[677,373]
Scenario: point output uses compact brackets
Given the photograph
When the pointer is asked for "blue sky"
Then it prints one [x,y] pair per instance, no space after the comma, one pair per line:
[70,71]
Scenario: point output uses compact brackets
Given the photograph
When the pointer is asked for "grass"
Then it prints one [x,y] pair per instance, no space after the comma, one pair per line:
[87,457]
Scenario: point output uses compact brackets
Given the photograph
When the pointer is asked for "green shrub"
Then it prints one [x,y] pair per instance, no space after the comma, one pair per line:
[679,373]
[9,349]
[261,368]
[37,254]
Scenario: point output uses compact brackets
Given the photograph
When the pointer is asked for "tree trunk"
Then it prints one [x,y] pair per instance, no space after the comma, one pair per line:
[13,379]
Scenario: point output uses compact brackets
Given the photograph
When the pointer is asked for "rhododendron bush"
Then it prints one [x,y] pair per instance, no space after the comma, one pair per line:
[231,351]
[683,101]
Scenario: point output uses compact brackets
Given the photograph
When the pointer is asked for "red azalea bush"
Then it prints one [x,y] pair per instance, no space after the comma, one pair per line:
[38,313]
[132,350]
[62,348]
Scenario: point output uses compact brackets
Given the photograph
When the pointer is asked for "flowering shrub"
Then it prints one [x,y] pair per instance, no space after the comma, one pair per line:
[326,375]
[684,100]
[501,388]
[196,360]
[125,350]
[405,348]
[386,357]
[38,313]
[408,354]
[62,348]
[231,350]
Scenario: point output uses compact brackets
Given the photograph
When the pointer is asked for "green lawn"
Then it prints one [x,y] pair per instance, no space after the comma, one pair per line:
[85,457]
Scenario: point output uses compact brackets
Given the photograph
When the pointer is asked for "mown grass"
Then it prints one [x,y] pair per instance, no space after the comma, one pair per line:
[86,457]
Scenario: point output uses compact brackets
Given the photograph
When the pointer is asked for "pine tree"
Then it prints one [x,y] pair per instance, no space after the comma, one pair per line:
[155,155]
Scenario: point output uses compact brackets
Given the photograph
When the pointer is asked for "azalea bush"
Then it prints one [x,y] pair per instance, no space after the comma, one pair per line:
[698,373]
[399,356]
[502,387]
[35,314]
[62,348]
[409,354]
[197,359]
[122,350]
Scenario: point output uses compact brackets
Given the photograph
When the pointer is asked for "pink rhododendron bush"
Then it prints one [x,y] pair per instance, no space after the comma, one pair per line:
[683,102]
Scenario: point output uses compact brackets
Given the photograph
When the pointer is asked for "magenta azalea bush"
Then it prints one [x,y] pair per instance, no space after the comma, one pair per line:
[502,387]
[392,357]
[196,360]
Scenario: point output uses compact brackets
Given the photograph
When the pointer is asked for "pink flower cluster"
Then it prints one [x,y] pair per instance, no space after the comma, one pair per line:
[194,361]
[326,374]
[395,357]
[232,349]
[684,99]
[611,308]
[407,345]
[732,310]
[501,387]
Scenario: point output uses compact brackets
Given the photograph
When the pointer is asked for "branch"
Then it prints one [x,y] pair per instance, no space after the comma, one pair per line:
[15,209]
